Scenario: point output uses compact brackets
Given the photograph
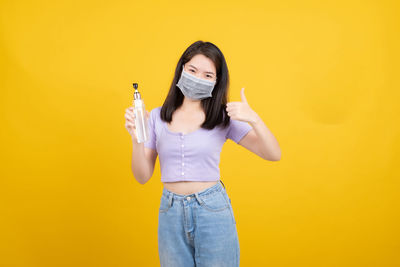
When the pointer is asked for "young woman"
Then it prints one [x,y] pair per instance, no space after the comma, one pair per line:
[196,223]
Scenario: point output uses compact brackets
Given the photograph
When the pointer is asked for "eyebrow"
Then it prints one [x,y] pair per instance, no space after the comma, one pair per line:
[190,65]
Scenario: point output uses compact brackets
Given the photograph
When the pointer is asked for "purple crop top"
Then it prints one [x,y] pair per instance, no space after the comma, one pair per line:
[193,156]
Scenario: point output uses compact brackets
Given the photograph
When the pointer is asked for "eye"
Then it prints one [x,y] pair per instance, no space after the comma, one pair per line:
[192,70]
[209,76]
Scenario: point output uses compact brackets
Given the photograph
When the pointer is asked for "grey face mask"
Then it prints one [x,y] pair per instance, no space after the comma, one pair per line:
[194,87]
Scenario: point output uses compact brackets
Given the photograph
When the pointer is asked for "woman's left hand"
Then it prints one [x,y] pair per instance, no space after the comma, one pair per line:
[241,110]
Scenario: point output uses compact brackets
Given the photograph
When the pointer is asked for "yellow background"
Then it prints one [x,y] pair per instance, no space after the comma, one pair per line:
[323,75]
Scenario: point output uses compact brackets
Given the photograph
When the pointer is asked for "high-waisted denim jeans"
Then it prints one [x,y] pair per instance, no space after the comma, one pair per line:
[197,229]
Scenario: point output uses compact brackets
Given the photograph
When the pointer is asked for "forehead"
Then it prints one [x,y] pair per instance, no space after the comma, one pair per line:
[202,63]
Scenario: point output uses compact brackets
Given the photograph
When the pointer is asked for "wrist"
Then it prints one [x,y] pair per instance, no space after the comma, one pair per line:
[134,141]
[255,119]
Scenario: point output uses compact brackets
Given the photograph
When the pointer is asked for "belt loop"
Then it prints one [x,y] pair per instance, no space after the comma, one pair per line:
[222,183]
[198,198]
[170,199]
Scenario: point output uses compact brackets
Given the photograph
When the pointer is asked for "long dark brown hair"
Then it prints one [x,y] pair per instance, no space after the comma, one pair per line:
[214,106]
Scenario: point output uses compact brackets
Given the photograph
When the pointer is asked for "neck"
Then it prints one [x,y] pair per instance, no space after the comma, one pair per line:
[191,104]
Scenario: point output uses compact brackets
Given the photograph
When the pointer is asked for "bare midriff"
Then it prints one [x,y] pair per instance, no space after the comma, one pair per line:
[187,187]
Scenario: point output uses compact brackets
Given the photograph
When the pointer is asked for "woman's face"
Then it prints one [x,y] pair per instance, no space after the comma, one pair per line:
[202,67]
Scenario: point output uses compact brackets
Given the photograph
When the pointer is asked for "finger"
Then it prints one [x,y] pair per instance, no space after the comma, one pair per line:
[130,125]
[130,111]
[243,96]
[130,121]
[231,108]
[230,104]
[128,118]
[131,114]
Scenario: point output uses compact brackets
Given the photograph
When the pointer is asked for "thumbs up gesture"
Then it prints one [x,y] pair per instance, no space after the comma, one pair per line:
[241,110]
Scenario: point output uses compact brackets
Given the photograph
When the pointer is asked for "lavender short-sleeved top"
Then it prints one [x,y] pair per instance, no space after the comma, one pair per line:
[193,156]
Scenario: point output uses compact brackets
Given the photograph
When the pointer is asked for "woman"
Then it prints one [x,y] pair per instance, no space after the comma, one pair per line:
[196,224]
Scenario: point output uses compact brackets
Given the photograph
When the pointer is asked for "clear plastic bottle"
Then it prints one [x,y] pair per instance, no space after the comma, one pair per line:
[142,131]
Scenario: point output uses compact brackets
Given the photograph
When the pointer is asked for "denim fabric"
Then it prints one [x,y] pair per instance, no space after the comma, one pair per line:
[198,229]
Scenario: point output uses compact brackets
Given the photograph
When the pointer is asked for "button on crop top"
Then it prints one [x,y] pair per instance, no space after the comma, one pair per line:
[193,156]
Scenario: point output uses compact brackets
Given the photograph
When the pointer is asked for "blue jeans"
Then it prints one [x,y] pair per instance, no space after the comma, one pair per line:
[197,229]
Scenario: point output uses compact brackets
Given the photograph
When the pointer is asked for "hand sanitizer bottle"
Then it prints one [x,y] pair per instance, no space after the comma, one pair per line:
[142,132]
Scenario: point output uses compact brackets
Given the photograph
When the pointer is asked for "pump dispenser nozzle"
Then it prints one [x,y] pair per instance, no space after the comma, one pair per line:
[136,94]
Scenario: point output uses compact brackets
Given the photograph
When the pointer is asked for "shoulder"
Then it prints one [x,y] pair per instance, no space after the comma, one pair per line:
[155,111]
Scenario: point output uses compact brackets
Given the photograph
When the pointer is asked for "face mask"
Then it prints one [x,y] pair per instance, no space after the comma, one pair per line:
[194,87]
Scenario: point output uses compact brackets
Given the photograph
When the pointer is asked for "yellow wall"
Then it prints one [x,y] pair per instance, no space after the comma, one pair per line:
[323,75]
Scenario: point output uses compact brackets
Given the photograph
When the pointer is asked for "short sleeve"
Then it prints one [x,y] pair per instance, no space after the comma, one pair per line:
[151,142]
[237,130]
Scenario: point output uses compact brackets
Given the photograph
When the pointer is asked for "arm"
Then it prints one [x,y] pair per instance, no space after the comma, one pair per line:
[261,141]
[258,140]
[143,162]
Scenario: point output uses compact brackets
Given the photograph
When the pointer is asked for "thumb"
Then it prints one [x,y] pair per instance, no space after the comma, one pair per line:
[243,96]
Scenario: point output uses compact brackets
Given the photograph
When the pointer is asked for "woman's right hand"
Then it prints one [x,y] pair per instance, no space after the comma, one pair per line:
[130,122]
